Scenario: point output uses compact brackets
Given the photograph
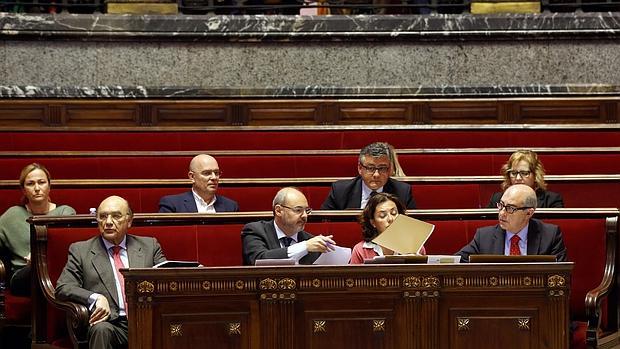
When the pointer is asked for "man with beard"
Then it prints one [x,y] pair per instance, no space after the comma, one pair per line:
[204,173]
[284,236]
[517,232]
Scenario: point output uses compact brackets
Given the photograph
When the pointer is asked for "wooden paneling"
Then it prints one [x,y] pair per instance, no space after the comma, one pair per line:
[270,112]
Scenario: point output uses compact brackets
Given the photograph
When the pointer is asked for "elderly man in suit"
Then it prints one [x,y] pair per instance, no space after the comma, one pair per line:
[374,168]
[517,232]
[204,173]
[91,276]
[284,235]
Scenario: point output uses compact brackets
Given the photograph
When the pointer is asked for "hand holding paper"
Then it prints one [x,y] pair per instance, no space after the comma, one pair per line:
[405,235]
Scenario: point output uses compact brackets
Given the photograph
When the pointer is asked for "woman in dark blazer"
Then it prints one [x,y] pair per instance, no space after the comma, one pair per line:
[523,167]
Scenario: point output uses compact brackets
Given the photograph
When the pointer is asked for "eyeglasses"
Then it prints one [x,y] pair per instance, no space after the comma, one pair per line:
[298,209]
[372,169]
[208,173]
[116,216]
[523,174]
[510,208]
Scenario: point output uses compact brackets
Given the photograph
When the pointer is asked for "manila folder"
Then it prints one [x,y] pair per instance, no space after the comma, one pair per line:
[405,235]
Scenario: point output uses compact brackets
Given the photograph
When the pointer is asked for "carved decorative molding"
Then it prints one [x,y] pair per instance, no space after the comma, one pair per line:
[339,283]
[494,281]
[287,284]
[556,281]
[378,325]
[419,282]
[206,285]
[319,326]
[421,294]
[523,324]
[234,328]
[146,287]
[462,324]
[173,286]
[176,330]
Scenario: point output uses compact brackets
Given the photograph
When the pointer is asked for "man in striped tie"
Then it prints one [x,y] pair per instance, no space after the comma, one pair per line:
[91,276]
[517,232]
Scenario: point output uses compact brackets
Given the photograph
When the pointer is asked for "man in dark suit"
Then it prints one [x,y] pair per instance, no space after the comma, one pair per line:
[517,232]
[374,168]
[204,173]
[284,236]
[91,275]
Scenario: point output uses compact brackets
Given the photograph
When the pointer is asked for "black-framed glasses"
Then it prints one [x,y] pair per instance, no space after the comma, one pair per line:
[515,173]
[372,169]
[298,209]
[510,208]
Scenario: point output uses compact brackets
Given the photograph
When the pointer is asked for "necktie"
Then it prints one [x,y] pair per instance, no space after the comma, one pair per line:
[514,246]
[116,254]
[372,193]
[286,241]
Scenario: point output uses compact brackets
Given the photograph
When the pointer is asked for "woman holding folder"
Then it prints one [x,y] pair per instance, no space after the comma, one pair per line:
[379,213]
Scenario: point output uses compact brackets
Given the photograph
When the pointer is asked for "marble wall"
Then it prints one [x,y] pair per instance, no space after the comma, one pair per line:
[80,51]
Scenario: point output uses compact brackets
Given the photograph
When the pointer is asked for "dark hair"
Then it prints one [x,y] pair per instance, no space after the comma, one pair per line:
[376,150]
[368,231]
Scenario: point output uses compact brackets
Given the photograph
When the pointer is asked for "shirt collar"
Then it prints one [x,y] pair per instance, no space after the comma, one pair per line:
[522,233]
[108,245]
[200,201]
[280,234]
[371,245]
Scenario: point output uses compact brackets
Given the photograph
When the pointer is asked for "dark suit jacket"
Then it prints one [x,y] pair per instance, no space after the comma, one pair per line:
[185,202]
[347,194]
[88,269]
[542,238]
[260,241]
[546,199]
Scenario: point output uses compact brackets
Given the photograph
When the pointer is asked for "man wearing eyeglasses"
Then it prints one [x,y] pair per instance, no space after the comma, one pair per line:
[517,232]
[204,172]
[91,276]
[284,236]
[374,168]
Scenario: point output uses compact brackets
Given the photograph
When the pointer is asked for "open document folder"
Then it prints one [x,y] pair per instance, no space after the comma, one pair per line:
[405,235]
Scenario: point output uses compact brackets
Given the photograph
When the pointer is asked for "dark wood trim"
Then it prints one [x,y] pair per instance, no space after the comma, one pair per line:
[200,113]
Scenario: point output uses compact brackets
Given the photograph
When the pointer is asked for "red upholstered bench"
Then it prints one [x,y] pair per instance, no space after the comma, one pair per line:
[590,236]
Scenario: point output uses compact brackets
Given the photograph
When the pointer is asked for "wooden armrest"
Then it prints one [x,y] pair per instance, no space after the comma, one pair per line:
[595,297]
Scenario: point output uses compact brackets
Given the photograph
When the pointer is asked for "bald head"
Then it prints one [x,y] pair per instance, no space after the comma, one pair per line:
[290,210]
[523,194]
[204,172]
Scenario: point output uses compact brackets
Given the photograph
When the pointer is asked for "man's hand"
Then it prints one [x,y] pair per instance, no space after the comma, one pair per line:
[101,312]
[320,243]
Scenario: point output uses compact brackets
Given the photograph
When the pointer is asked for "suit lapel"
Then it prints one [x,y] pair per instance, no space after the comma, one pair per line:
[355,198]
[135,253]
[272,237]
[103,267]
[533,238]
[499,240]
[190,203]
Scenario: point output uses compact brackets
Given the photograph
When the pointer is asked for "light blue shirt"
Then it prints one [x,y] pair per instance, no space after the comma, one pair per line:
[119,293]
[366,194]
[522,243]
[295,251]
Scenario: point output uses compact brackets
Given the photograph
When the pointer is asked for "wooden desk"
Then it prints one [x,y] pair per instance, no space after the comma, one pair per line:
[365,306]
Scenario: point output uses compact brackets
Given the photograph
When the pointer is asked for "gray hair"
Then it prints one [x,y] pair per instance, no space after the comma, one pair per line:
[530,200]
[376,150]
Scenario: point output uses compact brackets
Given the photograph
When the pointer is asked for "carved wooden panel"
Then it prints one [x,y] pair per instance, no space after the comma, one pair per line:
[28,115]
[282,114]
[109,115]
[227,330]
[562,112]
[494,328]
[192,114]
[375,113]
[463,112]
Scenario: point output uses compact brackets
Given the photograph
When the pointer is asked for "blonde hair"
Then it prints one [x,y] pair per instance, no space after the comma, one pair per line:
[535,166]
[397,170]
[25,171]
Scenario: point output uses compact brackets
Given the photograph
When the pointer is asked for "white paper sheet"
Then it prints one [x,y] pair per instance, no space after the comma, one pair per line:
[339,256]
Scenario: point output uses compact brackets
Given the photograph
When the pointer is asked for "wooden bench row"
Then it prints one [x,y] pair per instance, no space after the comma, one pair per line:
[590,236]
[257,194]
[201,139]
[301,164]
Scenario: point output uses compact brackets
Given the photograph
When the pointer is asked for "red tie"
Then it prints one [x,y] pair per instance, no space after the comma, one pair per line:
[514,246]
[118,264]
